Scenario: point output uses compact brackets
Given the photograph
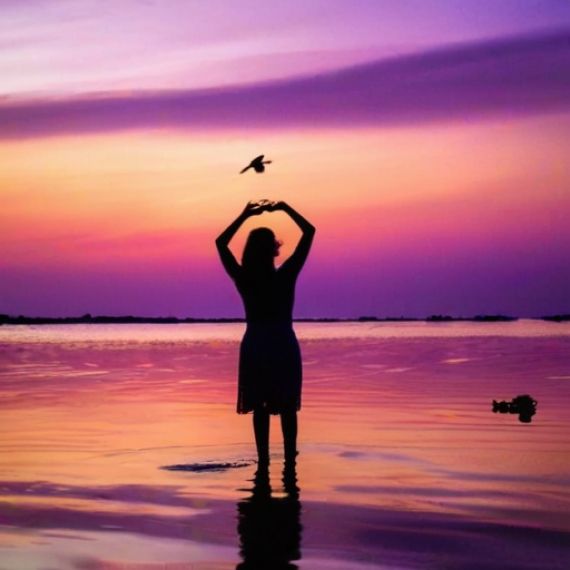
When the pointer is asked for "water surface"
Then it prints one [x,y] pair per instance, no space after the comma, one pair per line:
[402,464]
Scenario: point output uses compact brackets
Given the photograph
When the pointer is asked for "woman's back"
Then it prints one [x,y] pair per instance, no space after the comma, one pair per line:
[268,298]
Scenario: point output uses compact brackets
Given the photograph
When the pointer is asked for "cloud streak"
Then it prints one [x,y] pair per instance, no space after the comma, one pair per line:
[509,77]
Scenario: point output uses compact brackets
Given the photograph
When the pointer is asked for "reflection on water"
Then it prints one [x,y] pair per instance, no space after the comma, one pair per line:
[401,454]
[206,332]
[270,527]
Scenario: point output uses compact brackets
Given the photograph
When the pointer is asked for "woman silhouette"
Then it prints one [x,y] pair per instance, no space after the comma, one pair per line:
[270,370]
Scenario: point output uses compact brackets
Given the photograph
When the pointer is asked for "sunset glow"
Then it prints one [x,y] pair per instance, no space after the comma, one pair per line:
[436,176]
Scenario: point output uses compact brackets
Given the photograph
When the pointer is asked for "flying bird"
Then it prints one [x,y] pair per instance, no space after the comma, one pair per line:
[258,164]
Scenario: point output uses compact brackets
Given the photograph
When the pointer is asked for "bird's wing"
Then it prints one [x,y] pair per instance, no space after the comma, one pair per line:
[258,158]
[246,168]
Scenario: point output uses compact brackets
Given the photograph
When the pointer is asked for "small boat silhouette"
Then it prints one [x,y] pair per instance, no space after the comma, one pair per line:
[523,405]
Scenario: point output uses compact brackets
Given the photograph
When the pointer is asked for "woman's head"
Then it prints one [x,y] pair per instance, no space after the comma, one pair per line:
[260,250]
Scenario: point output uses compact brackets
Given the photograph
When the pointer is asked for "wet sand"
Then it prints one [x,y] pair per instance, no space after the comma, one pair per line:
[120,448]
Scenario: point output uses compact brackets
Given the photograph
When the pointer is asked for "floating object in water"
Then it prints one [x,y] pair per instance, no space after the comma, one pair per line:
[524,406]
[208,466]
[258,164]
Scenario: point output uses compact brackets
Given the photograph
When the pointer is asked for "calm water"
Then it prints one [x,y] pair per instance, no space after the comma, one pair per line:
[402,464]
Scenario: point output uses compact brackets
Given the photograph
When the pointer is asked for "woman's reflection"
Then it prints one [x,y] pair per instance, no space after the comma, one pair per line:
[269,527]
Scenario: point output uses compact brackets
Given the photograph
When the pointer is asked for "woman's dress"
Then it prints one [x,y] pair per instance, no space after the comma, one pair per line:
[270,368]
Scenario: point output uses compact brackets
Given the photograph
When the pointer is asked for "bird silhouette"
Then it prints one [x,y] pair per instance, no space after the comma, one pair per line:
[258,164]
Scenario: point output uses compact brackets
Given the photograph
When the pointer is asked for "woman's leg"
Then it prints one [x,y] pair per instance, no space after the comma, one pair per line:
[289,428]
[261,430]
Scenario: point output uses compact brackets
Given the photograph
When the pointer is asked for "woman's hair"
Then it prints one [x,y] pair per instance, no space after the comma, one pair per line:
[260,249]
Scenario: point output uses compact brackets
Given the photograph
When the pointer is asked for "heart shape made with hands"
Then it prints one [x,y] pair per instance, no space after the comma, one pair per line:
[264,205]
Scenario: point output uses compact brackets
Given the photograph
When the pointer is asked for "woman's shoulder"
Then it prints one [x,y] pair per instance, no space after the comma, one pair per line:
[286,272]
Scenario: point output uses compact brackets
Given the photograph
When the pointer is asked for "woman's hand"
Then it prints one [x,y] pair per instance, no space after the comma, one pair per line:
[256,208]
[277,206]
[252,209]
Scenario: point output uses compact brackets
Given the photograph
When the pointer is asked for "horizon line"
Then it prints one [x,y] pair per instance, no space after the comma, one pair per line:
[130,319]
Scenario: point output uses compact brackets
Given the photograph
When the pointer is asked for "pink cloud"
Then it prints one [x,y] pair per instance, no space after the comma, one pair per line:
[509,77]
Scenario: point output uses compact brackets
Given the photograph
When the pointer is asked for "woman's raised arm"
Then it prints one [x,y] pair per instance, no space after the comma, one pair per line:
[222,241]
[299,256]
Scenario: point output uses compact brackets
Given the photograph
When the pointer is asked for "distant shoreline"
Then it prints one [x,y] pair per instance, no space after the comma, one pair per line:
[128,319]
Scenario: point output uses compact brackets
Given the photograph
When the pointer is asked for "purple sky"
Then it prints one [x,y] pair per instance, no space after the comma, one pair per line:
[76,46]
[436,128]
[515,76]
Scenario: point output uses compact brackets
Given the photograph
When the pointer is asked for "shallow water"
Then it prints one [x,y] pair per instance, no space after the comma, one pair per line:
[402,464]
